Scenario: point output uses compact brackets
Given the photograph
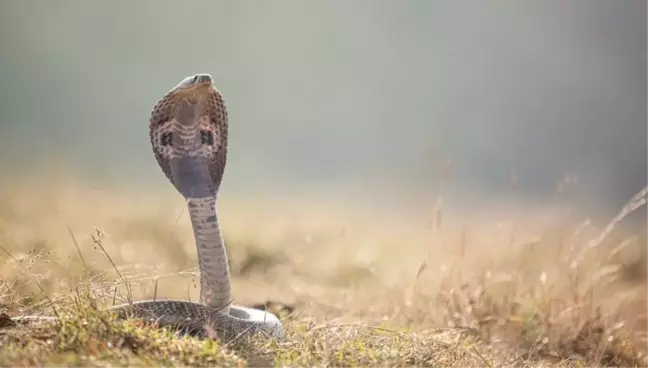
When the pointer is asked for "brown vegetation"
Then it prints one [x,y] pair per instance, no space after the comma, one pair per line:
[538,288]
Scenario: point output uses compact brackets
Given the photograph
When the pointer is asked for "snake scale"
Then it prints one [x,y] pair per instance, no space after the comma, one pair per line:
[188,131]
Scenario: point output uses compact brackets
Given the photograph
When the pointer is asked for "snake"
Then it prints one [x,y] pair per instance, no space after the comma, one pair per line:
[188,132]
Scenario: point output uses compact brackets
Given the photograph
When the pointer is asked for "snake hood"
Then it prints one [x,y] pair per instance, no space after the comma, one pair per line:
[188,133]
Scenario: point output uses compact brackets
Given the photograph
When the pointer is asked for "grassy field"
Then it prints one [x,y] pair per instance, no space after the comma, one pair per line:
[354,288]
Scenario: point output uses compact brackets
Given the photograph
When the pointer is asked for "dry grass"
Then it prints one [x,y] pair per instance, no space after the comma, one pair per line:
[367,289]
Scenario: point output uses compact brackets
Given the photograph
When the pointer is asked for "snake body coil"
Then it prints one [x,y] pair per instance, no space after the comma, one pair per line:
[188,132]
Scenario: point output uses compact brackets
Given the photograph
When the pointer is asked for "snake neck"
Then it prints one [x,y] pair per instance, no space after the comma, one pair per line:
[215,288]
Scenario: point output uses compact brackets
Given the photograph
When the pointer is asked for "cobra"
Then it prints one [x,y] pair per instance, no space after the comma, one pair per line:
[188,131]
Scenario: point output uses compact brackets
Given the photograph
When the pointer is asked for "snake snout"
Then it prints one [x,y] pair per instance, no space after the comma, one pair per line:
[202,79]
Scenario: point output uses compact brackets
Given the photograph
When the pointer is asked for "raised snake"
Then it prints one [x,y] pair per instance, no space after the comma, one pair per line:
[188,130]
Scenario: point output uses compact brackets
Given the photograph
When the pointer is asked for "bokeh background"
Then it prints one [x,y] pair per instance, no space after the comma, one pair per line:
[418,163]
[342,96]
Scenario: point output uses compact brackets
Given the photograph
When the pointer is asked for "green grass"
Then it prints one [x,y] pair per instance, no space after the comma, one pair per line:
[540,293]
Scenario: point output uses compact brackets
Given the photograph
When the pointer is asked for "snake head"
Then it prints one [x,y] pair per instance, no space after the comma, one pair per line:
[188,133]
[193,85]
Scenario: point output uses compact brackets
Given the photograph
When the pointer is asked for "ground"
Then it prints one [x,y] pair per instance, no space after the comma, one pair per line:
[353,288]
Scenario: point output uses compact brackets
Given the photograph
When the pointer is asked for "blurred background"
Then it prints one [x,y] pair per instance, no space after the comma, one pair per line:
[420,151]
[405,100]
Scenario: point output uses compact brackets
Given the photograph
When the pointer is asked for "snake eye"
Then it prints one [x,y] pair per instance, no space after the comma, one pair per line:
[166,139]
[207,137]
